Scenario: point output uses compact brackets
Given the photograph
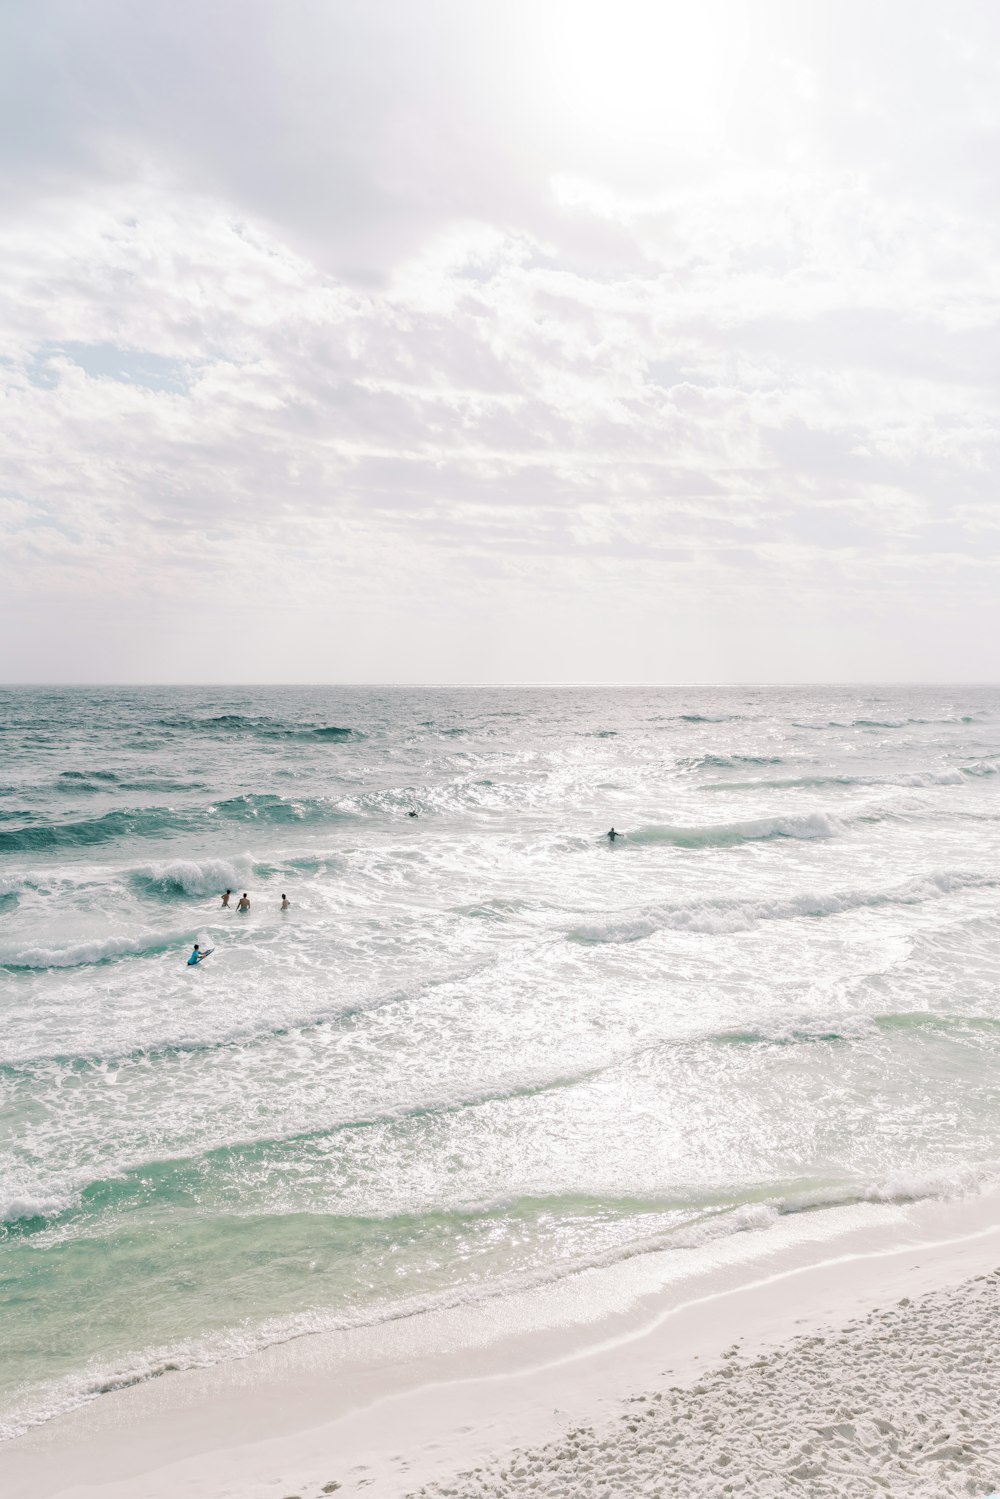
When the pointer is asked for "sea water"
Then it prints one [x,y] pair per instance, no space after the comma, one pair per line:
[485,1047]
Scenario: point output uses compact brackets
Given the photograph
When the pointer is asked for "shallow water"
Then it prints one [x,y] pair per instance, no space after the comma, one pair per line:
[484,1047]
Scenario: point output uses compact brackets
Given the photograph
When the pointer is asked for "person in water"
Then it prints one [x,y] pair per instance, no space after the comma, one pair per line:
[225,899]
[243,904]
[613,835]
[411,814]
[286,904]
[197,956]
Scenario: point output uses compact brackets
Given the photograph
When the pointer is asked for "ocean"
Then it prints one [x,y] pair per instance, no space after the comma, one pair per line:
[485,1048]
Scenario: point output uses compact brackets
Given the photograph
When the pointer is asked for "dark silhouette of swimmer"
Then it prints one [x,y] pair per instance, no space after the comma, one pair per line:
[613,835]
[411,814]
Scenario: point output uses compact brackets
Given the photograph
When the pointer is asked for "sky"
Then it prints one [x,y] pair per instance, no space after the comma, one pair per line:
[484,340]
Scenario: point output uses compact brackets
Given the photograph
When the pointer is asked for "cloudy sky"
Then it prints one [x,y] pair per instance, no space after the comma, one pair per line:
[485,340]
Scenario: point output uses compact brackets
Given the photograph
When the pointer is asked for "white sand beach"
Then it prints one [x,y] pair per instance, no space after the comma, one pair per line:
[849,1352]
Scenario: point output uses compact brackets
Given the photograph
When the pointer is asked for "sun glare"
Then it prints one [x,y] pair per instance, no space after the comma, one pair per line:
[640,71]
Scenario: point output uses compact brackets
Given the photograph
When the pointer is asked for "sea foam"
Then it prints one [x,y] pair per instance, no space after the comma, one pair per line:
[736,915]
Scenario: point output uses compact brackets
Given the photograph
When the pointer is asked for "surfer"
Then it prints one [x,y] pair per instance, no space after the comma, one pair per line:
[243,904]
[411,814]
[197,956]
[613,835]
[286,904]
[225,899]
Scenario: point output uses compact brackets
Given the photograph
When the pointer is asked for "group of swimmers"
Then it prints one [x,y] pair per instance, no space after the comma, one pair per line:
[199,954]
[243,904]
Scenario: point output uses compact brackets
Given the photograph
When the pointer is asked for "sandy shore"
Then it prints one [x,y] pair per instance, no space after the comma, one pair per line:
[905,1402]
[849,1352]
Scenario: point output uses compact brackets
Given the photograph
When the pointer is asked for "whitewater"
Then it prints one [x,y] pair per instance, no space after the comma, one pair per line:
[484,1048]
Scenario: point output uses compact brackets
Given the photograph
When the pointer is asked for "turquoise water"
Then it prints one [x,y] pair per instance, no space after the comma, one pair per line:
[484,1048]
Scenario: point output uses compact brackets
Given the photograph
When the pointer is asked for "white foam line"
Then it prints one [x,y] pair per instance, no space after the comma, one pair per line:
[637,1334]
[610,1344]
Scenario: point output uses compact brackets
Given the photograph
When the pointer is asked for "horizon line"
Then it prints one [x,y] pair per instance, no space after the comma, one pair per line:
[515,682]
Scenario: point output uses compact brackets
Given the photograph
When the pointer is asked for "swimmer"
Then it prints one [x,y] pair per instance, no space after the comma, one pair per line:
[197,956]
[286,904]
[613,835]
[243,904]
[411,814]
[225,899]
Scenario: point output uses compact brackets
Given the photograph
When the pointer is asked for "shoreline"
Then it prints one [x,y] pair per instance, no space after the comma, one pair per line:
[406,1404]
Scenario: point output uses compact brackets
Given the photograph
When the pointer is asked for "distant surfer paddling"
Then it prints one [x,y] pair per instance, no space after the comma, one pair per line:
[612,836]
[243,904]
[198,955]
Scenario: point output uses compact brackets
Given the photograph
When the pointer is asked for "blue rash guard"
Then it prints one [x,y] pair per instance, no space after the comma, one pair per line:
[193,959]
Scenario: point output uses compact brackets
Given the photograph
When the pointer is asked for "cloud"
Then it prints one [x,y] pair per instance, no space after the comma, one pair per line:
[348,328]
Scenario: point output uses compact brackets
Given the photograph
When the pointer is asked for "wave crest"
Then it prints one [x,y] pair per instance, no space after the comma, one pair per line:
[726,835]
[188,877]
[89,954]
[723,916]
[260,727]
[40,836]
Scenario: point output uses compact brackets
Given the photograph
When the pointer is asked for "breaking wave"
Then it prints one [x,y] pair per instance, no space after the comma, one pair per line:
[90,954]
[727,835]
[720,916]
[190,877]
